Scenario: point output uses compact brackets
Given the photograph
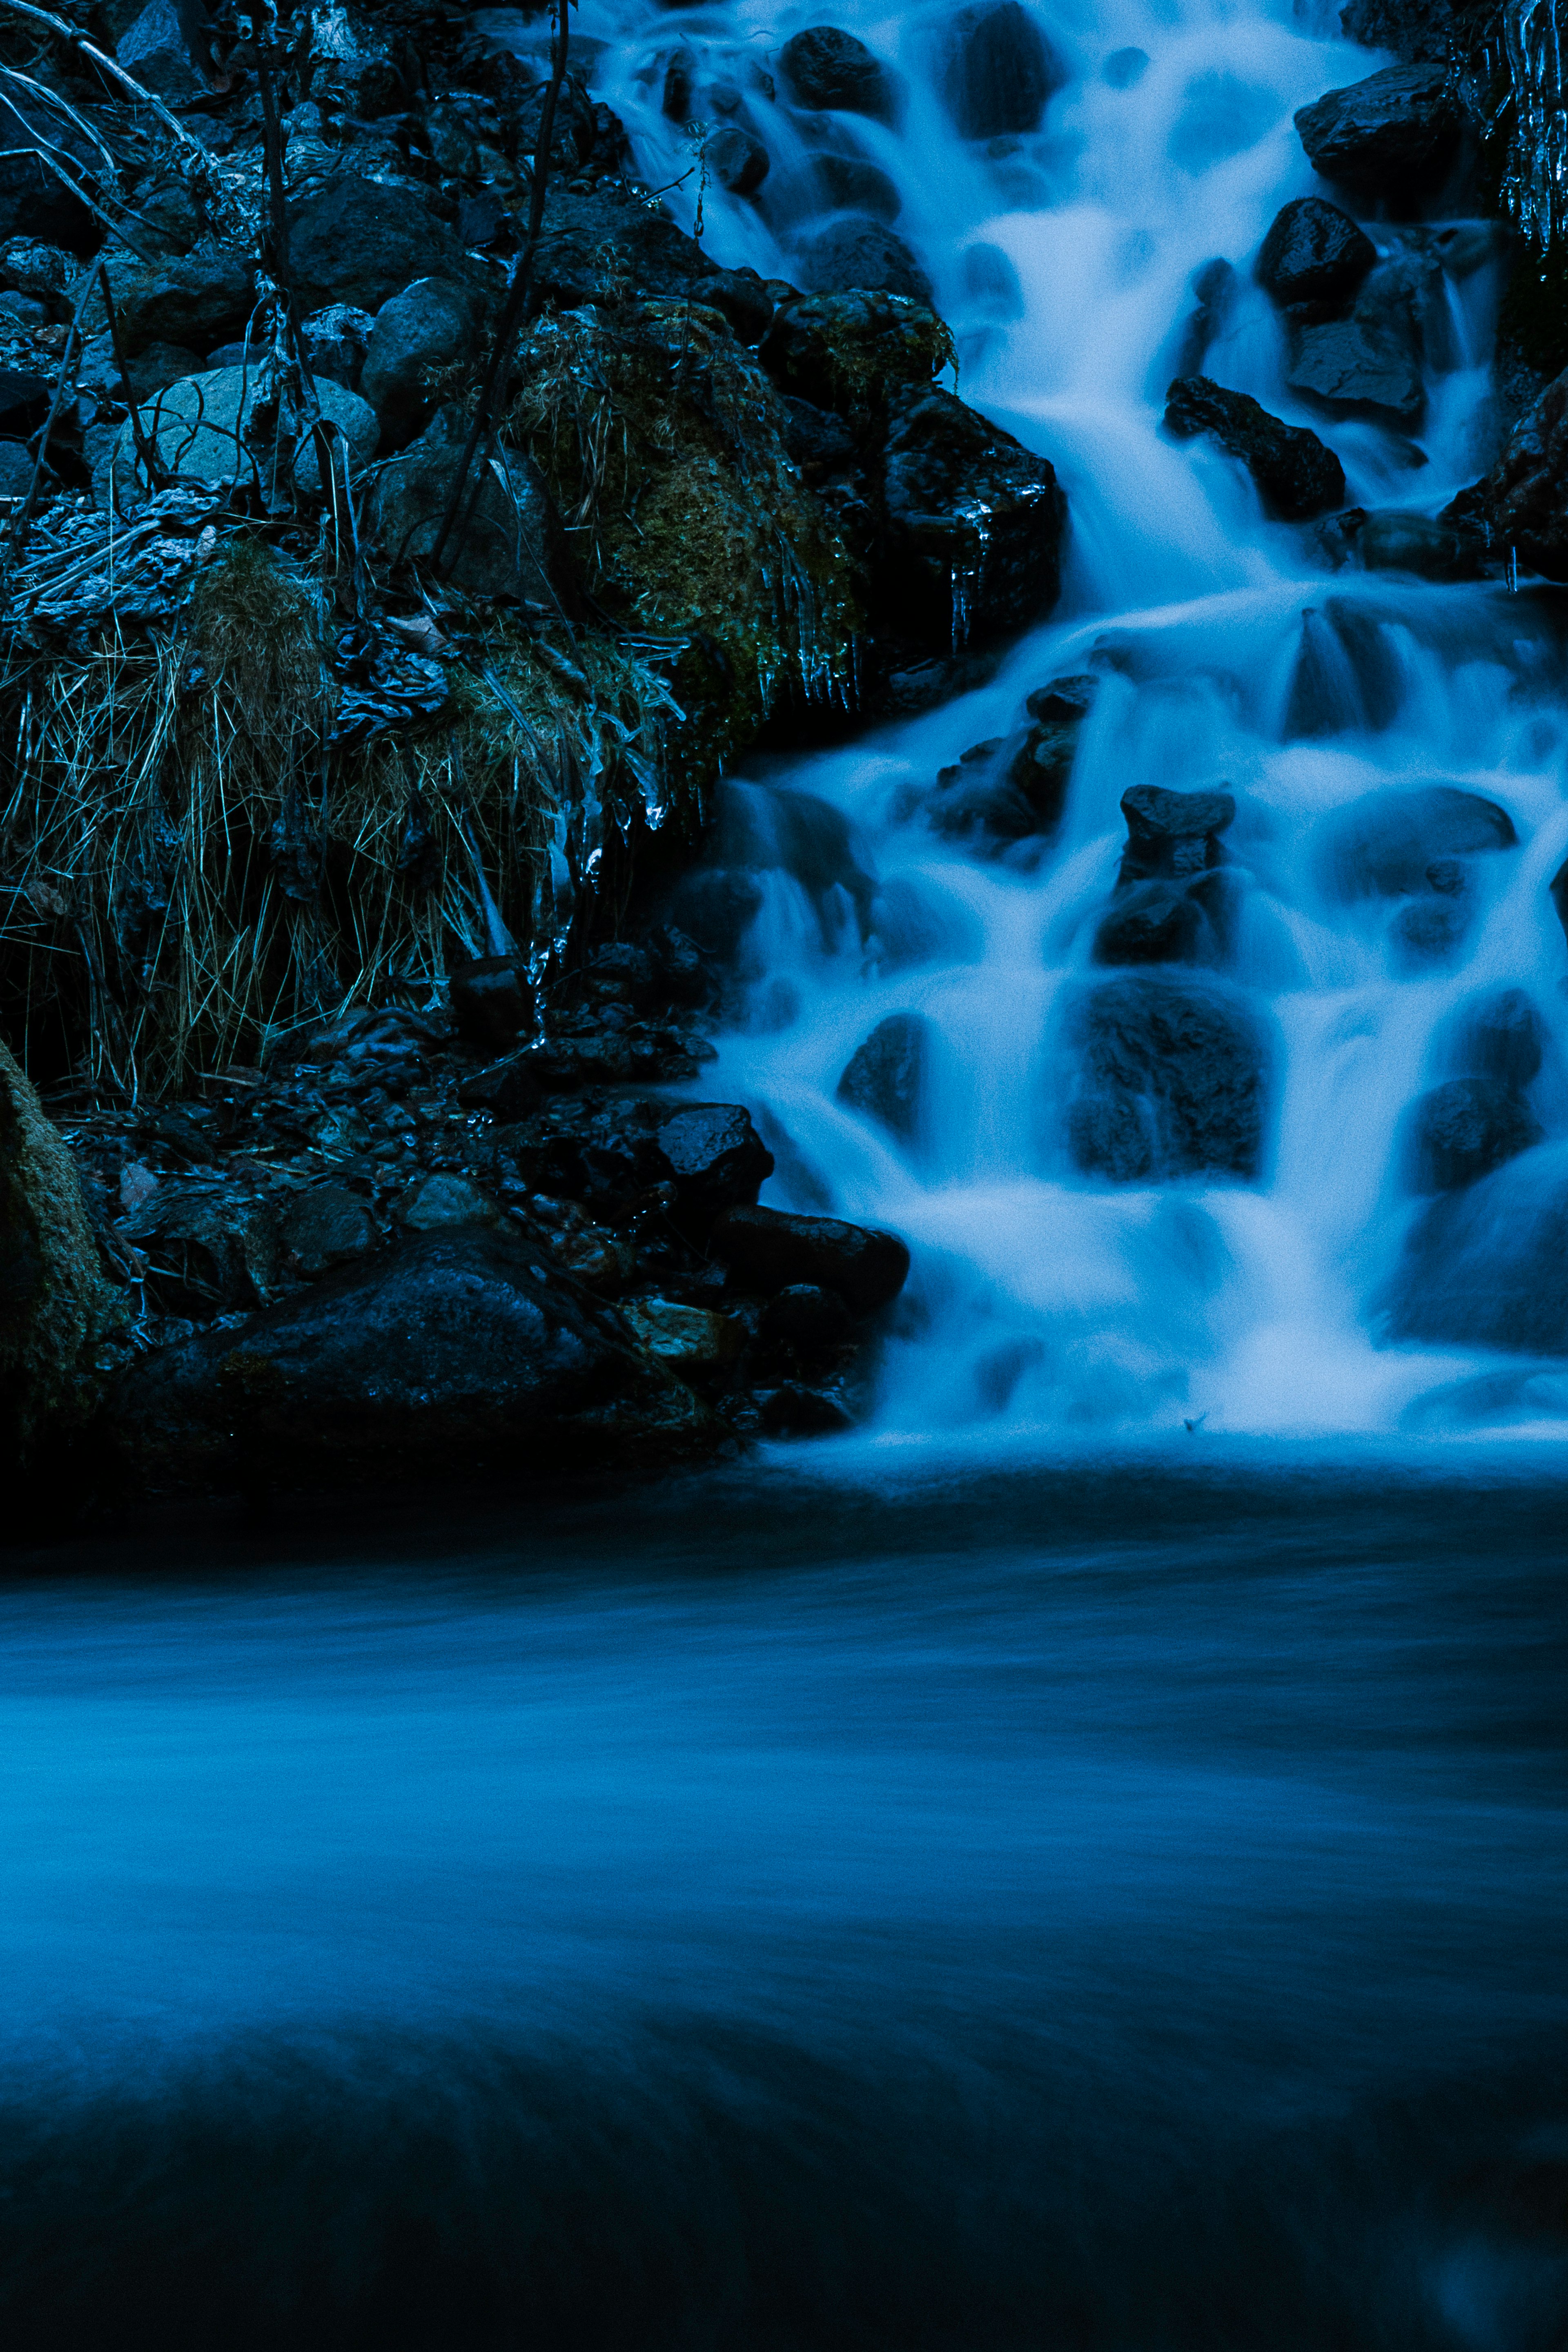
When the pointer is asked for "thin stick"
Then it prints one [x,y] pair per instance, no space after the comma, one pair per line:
[138,90]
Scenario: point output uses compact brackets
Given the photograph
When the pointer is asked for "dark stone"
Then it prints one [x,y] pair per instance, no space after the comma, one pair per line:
[596,238]
[1214,287]
[1154,922]
[770,1249]
[1487,1267]
[491,1000]
[1068,700]
[1172,834]
[167,51]
[1500,1036]
[1428,931]
[886,1076]
[335,341]
[717,905]
[715,1156]
[1296,475]
[795,1410]
[1390,539]
[428,325]
[327,1226]
[362,241]
[1461,1131]
[631,967]
[1124,68]
[1010,788]
[1522,505]
[198,300]
[804,1318]
[1382,845]
[854,184]
[34,201]
[508,543]
[990,282]
[817,439]
[1392,135]
[455,1351]
[1415,30]
[742,298]
[999,71]
[1173,1080]
[849,350]
[861,255]
[1366,365]
[1314,253]
[737,159]
[679,967]
[210,1250]
[508,1089]
[829,69]
[23,402]
[1347,674]
[975,525]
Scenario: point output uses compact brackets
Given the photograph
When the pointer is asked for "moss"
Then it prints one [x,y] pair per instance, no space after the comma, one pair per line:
[55,1308]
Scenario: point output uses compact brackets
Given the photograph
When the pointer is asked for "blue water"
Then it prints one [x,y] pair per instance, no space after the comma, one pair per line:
[1111,1905]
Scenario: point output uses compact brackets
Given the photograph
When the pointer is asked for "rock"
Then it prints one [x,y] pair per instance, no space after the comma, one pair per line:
[1366,365]
[202,428]
[24,400]
[43,270]
[998,71]
[55,1308]
[508,1089]
[1428,931]
[715,1157]
[816,441]
[766,827]
[1415,30]
[1014,787]
[1487,1267]
[847,351]
[795,1410]
[198,300]
[441,1202]
[975,525]
[1125,68]
[360,241]
[990,282]
[597,239]
[1461,1131]
[34,200]
[771,1249]
[1066,701]
[737,159]
[453,1352]
[1393,136]
[828,68]
[854,184]
[679,968]
[684,1338]
[15,469]
[212,1249]
[509,545]
[169,220]
[1391,540]
[886,1076]
[166,51]
[1382,845]
[335,341]
[1154,922]
[491,1000]
[384,1045]
[428,325]
[159,366]
[806,1319]
[327,1226]
[1523,502]
[861,255]
[1172,834]
[1214,287]
[1500,1035]
[1314,254]
[1173,1081]
[1296,475]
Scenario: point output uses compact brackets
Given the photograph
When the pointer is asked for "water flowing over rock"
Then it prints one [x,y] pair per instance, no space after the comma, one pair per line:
[1296,475]
[1000,70]
[884,1078]
[826,67]
[1173,1081]
[1386,843]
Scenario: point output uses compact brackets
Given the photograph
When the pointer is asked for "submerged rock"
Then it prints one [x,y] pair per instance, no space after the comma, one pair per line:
[1462,1130]
[1488,1267]
[1522,504]
[1382,845]
[1172,1080]
[862,256]
[998,71]
[885,1077]
[1500,1035]
[772,1249]
[1296,475]
[1392,135]
[1172,834]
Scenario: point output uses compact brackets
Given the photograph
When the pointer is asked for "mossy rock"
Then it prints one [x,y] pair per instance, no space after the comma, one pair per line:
[55,1307]
[849,352]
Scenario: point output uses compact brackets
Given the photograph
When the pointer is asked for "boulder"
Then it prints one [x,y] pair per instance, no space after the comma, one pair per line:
[360,241]
[1392,136]
[1523,502]
[737,159]
[1010,788]
[439,1205]
[597,240]
[684,1338]
[771,1249]
[215,428]
[428,325]
[212,1249]
[714,1156]
[452,1352]
[196,300]
[1487,1267]
[828,69]
[334,340]
[975,525]
[885,1077]
[1366,365]
[1172,1080]
[34,200]
[167,51]
[55,1308]
[805,1319]
[792,1410]
[1172,834]
[325,1227]
[1382,845]
[998,71]
[1314,254]
[854,184]
[1498,1035]
[508,544]
[864,255]
[849,350]
[1154,922]
[1460,1131]
[1296,475]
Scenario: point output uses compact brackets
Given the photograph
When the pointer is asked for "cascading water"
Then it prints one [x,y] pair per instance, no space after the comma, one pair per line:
[1227,656]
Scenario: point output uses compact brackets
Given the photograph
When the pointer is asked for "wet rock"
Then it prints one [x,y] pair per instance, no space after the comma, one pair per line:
[360,241]
[686,1339]
[1214,287]
[818,442]
[975,525]
[1487,1265]
[1173,1079]
[596,239]
[1154,922]
[795,1410]
[771,1249]
[1172,834]
[211,1248]
[805,1319]
[737,159]
[326,1227]
[1500,1035]
[216,428]
[167,51]
[1382,845]
[1010,788]
[1366,365]
[441,1202]
[1296,475]
[1522,505]
[1429,930]
[1314,254]
[1065,701]
[714,1156]
[990,282]
[847,350]
[198,300]
[1391,540]
[509,1089]
[509,545]
[1393,136]
[854,184]
[998,71]
[1461,1131]
[861,255]
[828,68]
[766,827]
[885,1076]
[1415,30]
[428,325]
[1125,68]
[55,1308]
[452,1352]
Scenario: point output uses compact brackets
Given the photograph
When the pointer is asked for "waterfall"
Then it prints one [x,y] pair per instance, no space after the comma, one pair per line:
[1336,1276]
